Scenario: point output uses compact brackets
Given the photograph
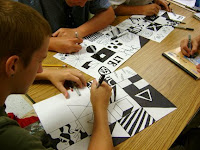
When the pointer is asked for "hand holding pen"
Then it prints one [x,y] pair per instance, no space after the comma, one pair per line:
[100,80]
[100,96]
[189,46]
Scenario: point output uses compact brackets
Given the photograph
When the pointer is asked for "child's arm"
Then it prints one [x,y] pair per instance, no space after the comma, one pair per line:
[101,137]
[148,10]
[96,23]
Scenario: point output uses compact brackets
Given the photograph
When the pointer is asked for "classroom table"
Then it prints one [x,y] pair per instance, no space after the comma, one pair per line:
[177,86]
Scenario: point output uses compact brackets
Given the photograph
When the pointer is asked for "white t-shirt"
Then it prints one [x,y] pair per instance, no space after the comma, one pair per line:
[115,3]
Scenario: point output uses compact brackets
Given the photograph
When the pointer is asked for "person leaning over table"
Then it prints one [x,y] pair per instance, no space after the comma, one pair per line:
[69,16]
[24,44]
[139,7]
[195,47]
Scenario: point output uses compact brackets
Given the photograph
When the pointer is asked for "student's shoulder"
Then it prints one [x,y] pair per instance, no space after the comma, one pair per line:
[12,136]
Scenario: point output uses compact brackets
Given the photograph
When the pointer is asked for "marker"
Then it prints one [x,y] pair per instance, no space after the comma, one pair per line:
[185,28]
[189,42]
[190,47]
[71,89]
[119,35]
[100,80]
[77,91]
[75,88]
[53,65]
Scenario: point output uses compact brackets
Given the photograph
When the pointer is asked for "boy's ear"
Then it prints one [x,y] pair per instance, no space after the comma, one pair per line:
[12,65]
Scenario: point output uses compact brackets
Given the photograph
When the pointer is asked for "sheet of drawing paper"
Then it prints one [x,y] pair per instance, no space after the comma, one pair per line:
[103,55]
[134,105]
[155,28]
[60,109]
[16,104]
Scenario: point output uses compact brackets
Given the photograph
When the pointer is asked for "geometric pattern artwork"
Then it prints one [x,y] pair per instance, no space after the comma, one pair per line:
[134,105]
[155,28]
[99,50]
[103,52]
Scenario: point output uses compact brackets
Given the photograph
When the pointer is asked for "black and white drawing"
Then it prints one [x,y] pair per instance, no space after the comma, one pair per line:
[134,105]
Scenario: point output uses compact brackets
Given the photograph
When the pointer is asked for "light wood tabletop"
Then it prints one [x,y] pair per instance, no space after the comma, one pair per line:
[177,86]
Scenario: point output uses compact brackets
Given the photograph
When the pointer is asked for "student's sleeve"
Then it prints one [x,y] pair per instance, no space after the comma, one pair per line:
[116,3]
[13,137]
[97,6]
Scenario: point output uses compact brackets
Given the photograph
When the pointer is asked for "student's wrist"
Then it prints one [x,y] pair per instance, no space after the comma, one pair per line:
[52,43]
[100,111]
[81,32]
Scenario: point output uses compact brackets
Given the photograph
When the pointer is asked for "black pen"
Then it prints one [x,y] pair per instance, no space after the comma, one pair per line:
[189,42]
[185,28]
[100,80]
[190,47]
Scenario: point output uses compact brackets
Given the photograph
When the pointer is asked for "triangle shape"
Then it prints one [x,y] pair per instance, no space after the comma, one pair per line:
[158,113]
[146,95]
[165,15]
[112,126]
[119,131]
[143,41]
[118,140]
[88,110]
[77,110]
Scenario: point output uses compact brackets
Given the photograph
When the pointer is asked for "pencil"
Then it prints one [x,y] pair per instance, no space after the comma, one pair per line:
[53,65]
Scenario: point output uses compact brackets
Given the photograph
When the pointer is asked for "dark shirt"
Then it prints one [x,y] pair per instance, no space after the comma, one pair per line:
[13,137]
[60,15]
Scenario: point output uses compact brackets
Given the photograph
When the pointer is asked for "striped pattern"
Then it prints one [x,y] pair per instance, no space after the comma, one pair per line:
[136,121]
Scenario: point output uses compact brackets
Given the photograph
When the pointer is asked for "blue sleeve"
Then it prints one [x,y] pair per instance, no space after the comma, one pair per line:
[99,5]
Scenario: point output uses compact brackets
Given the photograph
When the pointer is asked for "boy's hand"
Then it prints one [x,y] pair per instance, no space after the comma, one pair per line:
[59,76]
[184,47]
[65,45]
[151,9]
[163,4]
[100,97]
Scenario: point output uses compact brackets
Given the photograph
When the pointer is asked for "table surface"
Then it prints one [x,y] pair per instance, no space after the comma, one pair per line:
[180,88]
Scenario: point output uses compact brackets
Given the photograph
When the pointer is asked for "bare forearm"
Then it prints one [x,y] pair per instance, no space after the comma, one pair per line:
[98,22]
[101,137]
[123,10]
